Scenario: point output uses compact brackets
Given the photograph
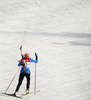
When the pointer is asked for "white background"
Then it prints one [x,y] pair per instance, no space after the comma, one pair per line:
[59,31]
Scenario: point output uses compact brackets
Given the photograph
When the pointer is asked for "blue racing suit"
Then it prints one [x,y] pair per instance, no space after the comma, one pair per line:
[27,68]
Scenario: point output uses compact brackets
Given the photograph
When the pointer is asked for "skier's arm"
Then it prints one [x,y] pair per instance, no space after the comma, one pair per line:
[32,60]
[19,64]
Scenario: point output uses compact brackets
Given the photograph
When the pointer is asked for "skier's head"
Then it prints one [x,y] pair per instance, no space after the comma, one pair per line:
[27,55]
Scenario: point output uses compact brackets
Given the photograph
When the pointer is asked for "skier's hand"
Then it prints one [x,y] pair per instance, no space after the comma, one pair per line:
[36,56]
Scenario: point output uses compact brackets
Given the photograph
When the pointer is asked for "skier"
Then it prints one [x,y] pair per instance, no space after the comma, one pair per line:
[25,71]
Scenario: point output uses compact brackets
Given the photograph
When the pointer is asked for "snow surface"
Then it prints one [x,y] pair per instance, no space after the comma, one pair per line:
[59,31]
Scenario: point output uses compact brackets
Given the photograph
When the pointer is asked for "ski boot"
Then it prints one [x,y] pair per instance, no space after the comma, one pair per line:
[27,91]
[15,93]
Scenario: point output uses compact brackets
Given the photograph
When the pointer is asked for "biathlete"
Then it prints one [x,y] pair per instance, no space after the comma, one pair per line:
[25,71]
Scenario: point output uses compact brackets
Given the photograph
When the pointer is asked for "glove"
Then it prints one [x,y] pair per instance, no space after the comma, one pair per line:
[23,64]
[22,56]
[36,56]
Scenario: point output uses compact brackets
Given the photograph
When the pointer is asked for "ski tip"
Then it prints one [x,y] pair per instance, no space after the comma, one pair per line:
[8,94]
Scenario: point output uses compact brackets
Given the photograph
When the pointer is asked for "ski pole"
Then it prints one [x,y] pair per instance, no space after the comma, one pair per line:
[35,81]
[35,77]
[22,56]
[12,80]
[21,49]
[16,72]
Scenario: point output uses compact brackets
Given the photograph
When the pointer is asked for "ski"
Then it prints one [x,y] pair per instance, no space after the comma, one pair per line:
[30,93]
[12,95]
[9,94]
[26,94]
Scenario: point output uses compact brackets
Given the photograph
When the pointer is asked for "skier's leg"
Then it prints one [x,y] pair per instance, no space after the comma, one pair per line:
[28,82]
[21,77]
